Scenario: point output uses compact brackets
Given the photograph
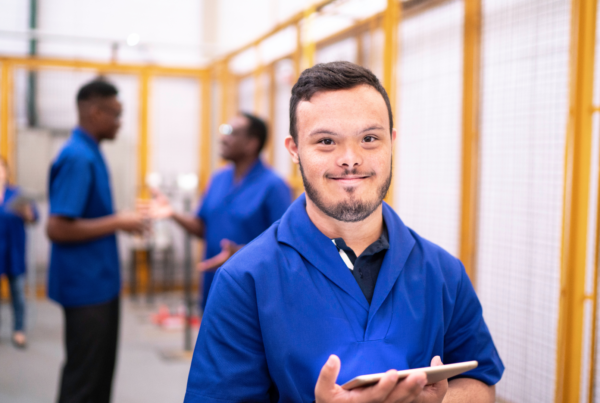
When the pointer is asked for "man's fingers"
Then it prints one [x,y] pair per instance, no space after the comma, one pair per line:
[408,389]
[213,262]
[436,361]
[326,385]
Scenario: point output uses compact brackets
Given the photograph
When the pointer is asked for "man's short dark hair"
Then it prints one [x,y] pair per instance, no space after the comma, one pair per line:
[257,128]
[330,77]
[98,88]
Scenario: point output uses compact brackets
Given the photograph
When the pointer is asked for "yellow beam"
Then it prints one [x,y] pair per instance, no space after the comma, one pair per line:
[205,133]
[391,19]
[4,108]
[293,20]
[143,139]
[576,200]
[470,135]
[42,62]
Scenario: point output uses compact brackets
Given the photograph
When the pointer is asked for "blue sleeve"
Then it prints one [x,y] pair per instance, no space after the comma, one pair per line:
[468,338]
[279,198]
[229,362]
[70,184]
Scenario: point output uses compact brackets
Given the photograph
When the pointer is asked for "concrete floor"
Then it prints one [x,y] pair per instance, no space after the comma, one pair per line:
[142,375]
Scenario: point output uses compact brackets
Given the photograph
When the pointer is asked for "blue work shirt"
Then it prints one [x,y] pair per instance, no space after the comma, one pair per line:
[12,236]
[285,302]
[240,211]
[82,273]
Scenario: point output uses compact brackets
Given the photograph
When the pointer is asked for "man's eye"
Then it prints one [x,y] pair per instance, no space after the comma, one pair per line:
[326,142]
[369,139]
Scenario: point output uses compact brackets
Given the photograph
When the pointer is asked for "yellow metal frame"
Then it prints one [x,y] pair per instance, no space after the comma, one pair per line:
[470,134]
[145,74]
[5,100]
[391,20]
[576,200]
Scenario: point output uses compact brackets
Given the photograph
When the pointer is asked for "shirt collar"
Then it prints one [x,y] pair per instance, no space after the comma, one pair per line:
[380,244]
[298,231]
[81,134]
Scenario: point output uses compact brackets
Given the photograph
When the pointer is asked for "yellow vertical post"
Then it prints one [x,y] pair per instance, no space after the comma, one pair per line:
[6,88]
[295,180]
[470,134]
[143,139]
[391,19]
[205,134]
[576,202]
[258,91]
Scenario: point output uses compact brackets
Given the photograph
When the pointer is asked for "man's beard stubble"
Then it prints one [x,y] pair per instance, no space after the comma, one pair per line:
[351,210]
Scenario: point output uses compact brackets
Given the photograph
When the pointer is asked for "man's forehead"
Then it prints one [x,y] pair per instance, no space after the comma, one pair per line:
[362,102]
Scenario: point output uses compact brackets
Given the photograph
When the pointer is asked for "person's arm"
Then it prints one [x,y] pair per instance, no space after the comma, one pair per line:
[65,229]
[191,224]
[469,390]
[161,208]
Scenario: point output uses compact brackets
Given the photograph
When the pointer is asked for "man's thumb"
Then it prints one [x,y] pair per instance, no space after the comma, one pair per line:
[326,382]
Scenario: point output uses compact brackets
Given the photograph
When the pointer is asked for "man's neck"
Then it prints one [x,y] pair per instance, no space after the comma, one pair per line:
[89,131]
[357,235]
[242,167]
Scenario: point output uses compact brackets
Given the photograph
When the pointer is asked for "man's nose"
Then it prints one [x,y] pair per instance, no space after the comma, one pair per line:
[350,156]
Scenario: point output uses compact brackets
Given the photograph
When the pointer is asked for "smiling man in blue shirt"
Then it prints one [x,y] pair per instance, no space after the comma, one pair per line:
[340,287]
[84,275]
[242,200]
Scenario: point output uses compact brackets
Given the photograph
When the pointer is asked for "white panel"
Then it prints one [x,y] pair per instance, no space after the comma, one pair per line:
[284,76]
[246,95]
[173,28]
[427,166]
[57,90]
[524,113]
[14,16]
[175,126]
[346,50]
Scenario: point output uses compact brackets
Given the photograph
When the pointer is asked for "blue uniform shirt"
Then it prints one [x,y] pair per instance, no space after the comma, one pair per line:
[12,236]
[287,301]
[240,211]
[82,273]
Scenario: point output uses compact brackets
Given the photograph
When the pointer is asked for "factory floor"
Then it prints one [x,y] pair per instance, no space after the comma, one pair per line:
[146,370]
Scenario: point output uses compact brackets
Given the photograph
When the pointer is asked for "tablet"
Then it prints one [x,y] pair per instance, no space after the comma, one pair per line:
[434,374]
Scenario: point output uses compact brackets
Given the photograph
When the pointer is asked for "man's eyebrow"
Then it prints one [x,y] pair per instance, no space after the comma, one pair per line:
[320,130]
[374,127]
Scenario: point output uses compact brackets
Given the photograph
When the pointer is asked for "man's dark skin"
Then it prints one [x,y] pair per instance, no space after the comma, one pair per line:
[241,149]
[99,117]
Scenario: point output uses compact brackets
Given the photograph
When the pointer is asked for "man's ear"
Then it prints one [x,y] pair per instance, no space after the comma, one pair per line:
[292,148]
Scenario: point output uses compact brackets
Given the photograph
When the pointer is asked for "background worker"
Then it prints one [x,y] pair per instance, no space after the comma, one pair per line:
[242,200]
[15,212]
[84,274]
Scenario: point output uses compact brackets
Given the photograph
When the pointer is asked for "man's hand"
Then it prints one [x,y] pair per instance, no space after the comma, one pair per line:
[160,207]
[132,222]
[435,392]
[387,390]
[26,213]
[228,248]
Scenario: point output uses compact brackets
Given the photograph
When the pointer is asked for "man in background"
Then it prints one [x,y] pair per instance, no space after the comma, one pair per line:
[241,202]
[84,274]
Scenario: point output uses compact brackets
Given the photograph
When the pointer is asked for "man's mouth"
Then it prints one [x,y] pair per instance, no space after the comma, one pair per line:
[349,179]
